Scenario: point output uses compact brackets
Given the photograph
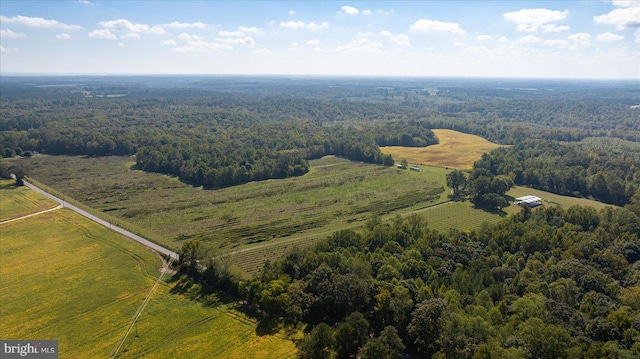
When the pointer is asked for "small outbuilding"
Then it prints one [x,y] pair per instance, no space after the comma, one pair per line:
[531,201]
[414,168]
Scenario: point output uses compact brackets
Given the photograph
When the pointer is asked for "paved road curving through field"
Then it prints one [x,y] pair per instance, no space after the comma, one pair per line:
[115,228]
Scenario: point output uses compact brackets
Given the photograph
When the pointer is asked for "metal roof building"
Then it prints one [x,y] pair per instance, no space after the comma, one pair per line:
[530,201]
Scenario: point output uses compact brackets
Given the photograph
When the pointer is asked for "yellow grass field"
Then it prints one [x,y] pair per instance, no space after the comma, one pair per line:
[455,150]
[20,201]
[66,278]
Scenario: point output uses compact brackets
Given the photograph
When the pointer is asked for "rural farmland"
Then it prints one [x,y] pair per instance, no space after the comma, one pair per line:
[87,285]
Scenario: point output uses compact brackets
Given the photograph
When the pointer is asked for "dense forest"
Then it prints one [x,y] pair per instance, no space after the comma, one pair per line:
[215,141]
[546,283]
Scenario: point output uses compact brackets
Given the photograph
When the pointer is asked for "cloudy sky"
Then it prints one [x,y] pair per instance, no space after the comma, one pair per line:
[536,39]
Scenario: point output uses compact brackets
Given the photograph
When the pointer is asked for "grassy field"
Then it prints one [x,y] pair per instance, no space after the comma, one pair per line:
[458,215]
[335,193]
[455,150]
[463,216]
[69,279]
[554,199]
[21,201]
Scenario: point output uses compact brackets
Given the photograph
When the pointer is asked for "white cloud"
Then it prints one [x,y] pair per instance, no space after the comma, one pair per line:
[637,36]
[313,43]
[102,34]
[609,37]
[626,3]
[121,44]
[246,41]
[580,39]
[231,33]
[124,25]
[263,52]
[291,12]
[318,26]
[532,20]
[86,2]
[484,37]
[386,33]
[37,22]
[201,47]
[157,30]
[350,10]
[426,25]
[131,35]
[11,50]
[554,28]
[292,24]
[529,39]
[12,35]
[557,43]
[250,30]
[168,43]
[63,36]
[458,44]
[242,31]
[623,17]
[502,40]
[401,40]
[189,37]
[361,45]
[178,24]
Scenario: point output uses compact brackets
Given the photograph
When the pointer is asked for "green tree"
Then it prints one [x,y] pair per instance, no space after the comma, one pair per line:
[456,181]
[351,335]
[190,255]
[543,340]
[426,326]
[319,344]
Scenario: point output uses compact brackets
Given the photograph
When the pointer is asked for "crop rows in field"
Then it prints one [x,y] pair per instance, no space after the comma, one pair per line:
[458,215]
[251,261]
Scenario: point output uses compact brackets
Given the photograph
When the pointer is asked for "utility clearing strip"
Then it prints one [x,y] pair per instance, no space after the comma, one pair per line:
[136,315]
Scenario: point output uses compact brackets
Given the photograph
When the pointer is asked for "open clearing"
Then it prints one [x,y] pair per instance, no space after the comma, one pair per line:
[69,279]
[334,194]
[455,150]
[20,201]
[555,199]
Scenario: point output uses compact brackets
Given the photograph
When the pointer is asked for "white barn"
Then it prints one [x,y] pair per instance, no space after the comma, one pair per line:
[531,201]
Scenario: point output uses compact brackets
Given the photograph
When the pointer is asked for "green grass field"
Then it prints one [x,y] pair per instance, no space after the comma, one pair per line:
[22,201]
[69,279]
[335,193]
[455,150]
[554,199]
[458,215]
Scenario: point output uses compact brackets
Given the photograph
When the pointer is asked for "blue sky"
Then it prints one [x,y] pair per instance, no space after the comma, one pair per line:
[531,39]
